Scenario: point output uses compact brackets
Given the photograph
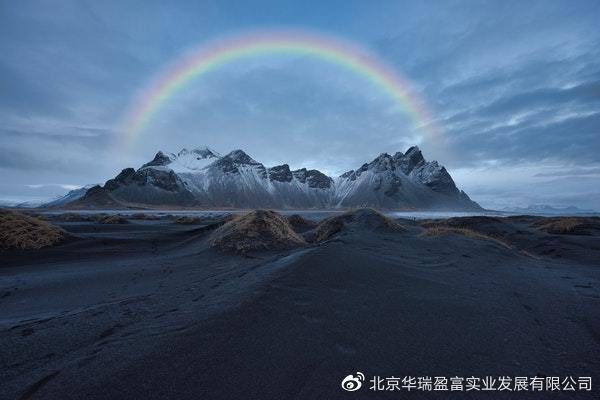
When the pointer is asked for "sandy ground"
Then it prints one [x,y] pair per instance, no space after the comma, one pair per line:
[146,310]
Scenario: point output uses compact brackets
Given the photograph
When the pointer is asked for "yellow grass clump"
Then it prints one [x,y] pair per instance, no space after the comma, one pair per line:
[18,231]
[111,219]
[299,223]
[187,220]
[257,230]
[73,217]
[360,219]
[442,230]
[145,217]
[568,225]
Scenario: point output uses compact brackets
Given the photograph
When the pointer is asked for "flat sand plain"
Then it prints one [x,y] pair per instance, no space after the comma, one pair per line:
[146,309]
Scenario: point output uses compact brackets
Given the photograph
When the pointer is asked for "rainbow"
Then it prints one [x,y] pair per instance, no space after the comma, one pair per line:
[219,53]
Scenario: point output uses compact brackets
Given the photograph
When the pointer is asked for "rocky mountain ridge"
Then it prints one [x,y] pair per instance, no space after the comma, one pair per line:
[203,178]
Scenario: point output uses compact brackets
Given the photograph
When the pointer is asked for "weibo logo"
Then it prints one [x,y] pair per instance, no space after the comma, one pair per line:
[352,383]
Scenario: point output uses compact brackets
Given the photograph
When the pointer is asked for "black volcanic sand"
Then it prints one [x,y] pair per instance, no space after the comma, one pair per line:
[147,310]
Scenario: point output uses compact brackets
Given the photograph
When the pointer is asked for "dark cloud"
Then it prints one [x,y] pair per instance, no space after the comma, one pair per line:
[587,93]
[508,82]
[29,98]
[571,172]
[22,161]
[573,139]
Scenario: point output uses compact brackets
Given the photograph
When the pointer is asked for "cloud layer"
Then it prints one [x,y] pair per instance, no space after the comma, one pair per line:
[514,87]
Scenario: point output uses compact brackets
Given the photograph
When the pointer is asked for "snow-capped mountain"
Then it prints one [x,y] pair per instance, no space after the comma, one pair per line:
[203,178]
[21,203]
[186,160]
[71,196]
[544,209]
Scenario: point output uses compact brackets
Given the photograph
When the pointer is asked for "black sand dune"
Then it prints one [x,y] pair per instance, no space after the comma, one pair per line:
[147,309]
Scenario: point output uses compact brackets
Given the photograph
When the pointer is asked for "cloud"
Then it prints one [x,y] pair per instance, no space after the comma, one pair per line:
[510,84]
[65,186]
[525,183]
[571,172]
[587,93]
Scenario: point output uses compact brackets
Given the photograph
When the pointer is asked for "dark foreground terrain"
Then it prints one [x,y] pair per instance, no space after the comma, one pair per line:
[147,309]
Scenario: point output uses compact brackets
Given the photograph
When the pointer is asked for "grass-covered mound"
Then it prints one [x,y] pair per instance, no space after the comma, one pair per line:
[489,226]
[111,219]
[569,225]
[73,217]
[363,219]
[492,229]
[144,217]
[98,218]
[441,230]
[257,230]
[301,224]
[187,220]
[18,231]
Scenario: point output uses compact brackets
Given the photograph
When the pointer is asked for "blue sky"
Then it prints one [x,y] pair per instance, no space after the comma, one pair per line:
[514,87]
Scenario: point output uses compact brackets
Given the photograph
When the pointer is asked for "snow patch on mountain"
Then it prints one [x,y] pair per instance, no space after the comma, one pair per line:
[71,196]
[202,177]
[184,161]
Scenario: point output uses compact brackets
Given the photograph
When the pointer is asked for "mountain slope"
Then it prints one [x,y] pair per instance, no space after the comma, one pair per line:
[203,178]
[70,197]
[401,180]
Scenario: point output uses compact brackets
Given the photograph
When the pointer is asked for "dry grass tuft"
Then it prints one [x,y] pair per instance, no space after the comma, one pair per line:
[442,230]
[257,230]
[187,220]
[328,228]
[360,219]
[111,219]
[484,224]
[73,217]
[568,225]
[301,224]
[144,217]
[18,231]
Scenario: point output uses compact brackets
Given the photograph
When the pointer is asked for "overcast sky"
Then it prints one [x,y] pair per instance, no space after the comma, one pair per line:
[514,87]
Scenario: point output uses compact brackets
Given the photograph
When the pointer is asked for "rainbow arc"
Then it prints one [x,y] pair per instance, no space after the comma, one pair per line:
[210,57]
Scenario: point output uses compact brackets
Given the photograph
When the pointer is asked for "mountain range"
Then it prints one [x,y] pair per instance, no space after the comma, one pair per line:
[203,178]
[544,209]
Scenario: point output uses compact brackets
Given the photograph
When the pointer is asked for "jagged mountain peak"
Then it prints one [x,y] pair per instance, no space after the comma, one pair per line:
[240,157]
[383,162]
[415,157]
[382,158]
[202,151]
[184,161]
[314,178]
[280,173]
[159,160]
[232,162]
[204,178]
